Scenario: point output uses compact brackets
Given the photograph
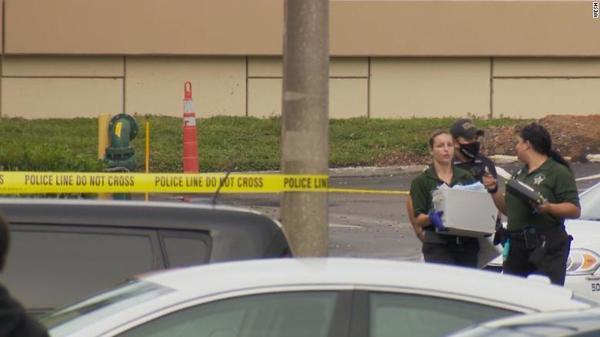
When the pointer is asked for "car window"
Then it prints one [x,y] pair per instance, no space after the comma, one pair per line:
[73,263]
[296,314]
[72,318]
[398,315]
[186,249]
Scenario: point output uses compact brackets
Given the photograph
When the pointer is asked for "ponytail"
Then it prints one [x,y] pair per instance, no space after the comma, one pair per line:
[559,159]
[540,139]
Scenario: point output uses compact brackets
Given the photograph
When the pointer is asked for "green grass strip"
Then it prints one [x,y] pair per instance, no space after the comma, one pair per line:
[236,143]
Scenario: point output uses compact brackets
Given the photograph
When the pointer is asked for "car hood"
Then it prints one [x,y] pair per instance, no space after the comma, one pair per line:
[585,233]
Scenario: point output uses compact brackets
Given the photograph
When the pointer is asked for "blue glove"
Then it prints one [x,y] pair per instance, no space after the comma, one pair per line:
[435,218]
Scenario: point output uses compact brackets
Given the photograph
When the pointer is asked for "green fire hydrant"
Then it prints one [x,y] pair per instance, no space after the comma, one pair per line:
[120,155]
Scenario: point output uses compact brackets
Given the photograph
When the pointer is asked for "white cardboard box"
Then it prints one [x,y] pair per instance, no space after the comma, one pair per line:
[466,213]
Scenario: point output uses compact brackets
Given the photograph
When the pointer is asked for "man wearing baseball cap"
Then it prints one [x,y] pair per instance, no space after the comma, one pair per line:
[467,157]
[466,149]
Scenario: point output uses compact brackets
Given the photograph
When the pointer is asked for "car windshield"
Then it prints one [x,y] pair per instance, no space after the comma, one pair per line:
[72,318]
[590,203]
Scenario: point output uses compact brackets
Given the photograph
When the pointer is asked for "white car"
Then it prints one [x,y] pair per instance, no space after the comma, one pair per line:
[583,274]
[307,297]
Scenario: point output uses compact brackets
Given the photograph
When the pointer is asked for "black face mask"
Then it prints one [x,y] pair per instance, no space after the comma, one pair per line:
[470,150]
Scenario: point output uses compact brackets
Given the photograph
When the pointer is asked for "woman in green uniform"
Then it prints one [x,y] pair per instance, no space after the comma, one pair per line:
[439,248]
[537,240]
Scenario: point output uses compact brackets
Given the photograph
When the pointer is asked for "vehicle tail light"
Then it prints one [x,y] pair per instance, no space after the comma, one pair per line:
[582,262]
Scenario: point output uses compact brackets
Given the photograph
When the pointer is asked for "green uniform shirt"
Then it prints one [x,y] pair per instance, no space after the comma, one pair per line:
[424,184]
[555,182]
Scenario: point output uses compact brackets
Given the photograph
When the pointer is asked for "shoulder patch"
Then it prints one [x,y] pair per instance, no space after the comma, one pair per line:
[516,174]
[539,178]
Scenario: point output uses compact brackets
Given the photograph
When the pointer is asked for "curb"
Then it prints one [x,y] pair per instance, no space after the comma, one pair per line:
[503,159]
[361,171]
[594,158]
[372,171]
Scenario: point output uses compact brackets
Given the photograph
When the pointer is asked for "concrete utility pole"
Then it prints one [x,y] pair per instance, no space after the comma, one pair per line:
[305,122]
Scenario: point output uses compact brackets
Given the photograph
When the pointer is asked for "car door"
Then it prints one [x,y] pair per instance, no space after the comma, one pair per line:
[394,314]
[277,314]
[53,265]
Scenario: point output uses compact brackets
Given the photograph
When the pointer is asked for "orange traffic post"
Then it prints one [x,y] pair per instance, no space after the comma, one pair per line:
[190,142]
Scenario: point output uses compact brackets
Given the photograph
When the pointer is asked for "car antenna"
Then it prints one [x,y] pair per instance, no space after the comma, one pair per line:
[221,182]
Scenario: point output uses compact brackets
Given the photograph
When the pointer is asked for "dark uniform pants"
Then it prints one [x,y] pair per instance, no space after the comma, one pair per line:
[457,251]
[548,259]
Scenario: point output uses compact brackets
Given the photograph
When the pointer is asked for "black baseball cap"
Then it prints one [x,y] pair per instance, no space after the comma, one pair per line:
[465,128]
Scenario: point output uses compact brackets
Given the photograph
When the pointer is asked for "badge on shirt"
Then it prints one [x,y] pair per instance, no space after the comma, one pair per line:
[538,179]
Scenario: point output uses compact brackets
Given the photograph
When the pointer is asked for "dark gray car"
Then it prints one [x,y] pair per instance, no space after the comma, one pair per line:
[63,250]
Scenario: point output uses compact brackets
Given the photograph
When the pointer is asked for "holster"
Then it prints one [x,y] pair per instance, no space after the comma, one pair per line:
[501,234]
[532,238]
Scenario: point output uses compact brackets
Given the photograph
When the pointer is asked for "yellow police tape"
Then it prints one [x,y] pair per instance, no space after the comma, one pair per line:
[69,182]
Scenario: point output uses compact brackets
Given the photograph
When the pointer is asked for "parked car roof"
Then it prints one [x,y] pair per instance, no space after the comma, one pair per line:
[104,212]
[528,294]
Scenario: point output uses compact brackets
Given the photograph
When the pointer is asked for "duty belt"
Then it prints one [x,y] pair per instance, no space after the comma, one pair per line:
[519,234]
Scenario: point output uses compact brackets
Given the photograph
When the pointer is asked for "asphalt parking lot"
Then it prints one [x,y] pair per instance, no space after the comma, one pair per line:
[373,225]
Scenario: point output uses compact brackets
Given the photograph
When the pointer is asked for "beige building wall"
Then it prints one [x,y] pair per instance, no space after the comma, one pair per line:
[536,98]
[255,27]
[154,85]
[390,59]
[534,88]
[429,87]
[339,67]
[264,97]
[73,86]
[347,97]
[61,97]
[61,87]
[546,67]
[65,66]
[348,87]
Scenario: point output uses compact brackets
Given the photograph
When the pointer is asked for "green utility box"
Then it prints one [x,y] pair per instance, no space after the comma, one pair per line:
[120,155]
